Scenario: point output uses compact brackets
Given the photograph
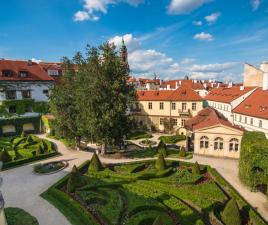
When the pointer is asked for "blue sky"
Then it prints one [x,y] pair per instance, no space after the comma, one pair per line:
[172,38]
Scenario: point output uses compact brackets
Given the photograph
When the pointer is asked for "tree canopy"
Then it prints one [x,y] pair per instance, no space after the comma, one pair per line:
[92,98]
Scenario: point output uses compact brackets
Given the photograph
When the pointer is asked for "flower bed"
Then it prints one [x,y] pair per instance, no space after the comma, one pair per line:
[50,167]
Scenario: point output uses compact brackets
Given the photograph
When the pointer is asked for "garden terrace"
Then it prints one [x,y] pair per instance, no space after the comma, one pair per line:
[137,193]
[18,150]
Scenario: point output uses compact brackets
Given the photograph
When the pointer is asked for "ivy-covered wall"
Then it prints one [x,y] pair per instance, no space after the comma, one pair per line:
[253,163]
[21,106]
[18,123]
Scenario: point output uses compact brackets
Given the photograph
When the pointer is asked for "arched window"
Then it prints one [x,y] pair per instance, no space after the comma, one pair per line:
[204,142]
[234,145]
[218,143]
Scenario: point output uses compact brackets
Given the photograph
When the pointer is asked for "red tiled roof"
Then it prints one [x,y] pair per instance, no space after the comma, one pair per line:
[190,83]
[208,117]
[35,71]
[144,80]
[227,95]
[256,105]
[184,93]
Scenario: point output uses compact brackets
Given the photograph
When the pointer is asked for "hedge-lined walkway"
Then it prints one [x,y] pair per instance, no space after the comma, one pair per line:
[22,187]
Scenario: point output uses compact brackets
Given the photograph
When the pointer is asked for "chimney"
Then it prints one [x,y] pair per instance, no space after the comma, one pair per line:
[242,88]
[177,85]
[30,63]
[168,87]
[180,82]
[230,84]
[264,68]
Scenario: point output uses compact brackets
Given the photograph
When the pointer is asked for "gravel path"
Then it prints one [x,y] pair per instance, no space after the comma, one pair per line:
[22,187]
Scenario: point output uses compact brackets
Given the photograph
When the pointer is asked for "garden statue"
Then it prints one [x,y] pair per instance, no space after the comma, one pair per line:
[2,202]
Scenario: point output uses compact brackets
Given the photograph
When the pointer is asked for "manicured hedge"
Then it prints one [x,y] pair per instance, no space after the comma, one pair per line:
[253,163]
[139,135]
[70,208]
[21,162]
[172,139]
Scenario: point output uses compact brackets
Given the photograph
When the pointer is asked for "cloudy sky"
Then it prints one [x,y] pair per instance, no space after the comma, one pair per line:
[172,38]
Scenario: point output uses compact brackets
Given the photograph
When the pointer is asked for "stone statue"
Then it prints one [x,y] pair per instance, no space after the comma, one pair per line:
[2,202]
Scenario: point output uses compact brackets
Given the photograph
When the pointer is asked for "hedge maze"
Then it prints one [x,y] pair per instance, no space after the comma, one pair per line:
[148,193]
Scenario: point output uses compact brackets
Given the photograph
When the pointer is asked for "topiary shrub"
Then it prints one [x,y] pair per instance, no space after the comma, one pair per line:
[160,163]
[95,164]
[4,156]
[23,134]
[162,151]
[17,154]
[40,150]
[182,152]
[196,168]
[158,221]
[161,145]
[75,180]
[231,213]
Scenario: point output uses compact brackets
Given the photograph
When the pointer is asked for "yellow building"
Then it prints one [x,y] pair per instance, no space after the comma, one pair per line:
[214,135]
[154,108]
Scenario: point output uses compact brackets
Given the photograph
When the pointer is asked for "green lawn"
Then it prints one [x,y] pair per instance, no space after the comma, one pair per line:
[172,139]
[16,216]
[139,135]
[136,193]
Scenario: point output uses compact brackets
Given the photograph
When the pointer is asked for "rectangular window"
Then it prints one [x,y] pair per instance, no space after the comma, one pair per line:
[161,121]
[46,92]
[53,72]
[215,145]
[193,106]
[184,106]
[23,74]
[221,145]
[26,94]
[137,105]
[12,109]
[240,118]
[150,105]
[28,108]
[173,106]
[246,120]
[11,95]
[260,123]
[251,121]
[182,122]
[161,105]
[7,73]
[174,122]
[235,117]
[231,147]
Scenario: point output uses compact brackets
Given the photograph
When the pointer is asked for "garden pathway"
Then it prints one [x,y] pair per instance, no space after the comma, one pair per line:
[22,188]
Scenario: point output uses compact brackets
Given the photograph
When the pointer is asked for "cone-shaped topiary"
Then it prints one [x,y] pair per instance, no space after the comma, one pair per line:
[162,151]
[161,145]
[4,156]
[196,168]
[95,163]
[158,221]
[182,152]
[160,163]
[75,180]
[231,213]
[23,134]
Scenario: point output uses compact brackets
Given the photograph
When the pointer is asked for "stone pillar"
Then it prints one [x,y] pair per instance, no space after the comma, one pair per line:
[2,202]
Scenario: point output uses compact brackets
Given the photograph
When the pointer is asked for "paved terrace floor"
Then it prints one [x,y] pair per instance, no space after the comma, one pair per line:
[22,188]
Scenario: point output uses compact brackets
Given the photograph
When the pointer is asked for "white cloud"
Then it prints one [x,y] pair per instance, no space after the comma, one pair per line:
[198,23]
[212,68]
[93,8]
[255,4]
[212,18]
[188,61]
[204,36]
[36,60]
[177,7]
[131,42]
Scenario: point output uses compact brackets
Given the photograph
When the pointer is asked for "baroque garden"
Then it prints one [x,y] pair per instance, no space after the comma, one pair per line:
[133,175]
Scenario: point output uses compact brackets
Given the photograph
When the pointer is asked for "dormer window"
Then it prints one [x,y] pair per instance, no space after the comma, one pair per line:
[7,73]
[53,72]
[23,74]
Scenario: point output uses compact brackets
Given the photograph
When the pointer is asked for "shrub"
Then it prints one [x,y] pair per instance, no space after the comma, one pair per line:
[30,139]
[95,163]
[182,152]
[75,180]
[253,166]
[172,139]
[231,213]
[17,154]
[160,163]
[163,151]
[40,150]
[4,156]
[23,134]
[162,145]
[196,168]
[158,221]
